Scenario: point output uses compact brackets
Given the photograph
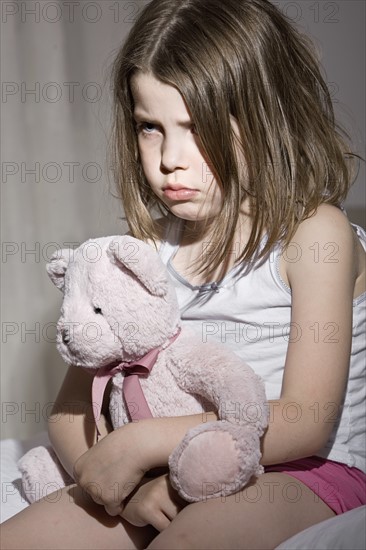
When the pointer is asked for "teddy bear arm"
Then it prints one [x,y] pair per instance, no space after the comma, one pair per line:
[219,458]
[220,377]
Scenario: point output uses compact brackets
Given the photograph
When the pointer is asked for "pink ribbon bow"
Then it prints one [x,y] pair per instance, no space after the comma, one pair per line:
[136,403]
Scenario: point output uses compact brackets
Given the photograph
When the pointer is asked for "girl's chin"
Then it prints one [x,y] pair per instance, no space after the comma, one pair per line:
[192,213]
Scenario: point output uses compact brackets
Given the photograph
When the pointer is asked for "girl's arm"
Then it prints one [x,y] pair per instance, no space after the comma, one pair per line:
[316,367]
[71,426]
[114,467]
[327,272]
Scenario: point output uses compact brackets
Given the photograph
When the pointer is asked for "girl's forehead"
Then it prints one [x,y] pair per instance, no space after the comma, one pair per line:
[149,93]
[146,83]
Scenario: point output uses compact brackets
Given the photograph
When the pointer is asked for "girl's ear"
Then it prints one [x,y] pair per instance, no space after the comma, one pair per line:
[140,258]
[58,265]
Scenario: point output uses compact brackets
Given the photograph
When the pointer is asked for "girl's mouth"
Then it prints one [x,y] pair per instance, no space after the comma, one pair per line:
[179,193]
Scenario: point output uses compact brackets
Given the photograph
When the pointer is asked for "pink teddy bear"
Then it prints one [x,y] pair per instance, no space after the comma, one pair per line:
[120,319]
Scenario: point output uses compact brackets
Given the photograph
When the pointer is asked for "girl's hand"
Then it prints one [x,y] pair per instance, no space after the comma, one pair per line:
[154,503]
[113,468]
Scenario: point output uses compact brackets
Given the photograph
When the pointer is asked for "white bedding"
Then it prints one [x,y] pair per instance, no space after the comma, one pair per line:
[344,532]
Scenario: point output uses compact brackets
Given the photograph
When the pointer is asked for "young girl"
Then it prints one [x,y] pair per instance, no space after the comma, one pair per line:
[224,124]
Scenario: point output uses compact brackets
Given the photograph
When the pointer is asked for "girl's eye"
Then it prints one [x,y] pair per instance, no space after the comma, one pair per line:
[146,128]
[97,310]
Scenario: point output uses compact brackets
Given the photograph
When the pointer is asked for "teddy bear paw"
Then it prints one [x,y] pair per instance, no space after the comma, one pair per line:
[215,459]
[42,473]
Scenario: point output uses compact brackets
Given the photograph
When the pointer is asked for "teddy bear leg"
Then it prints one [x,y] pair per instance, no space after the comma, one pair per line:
[42,473]
[215,459]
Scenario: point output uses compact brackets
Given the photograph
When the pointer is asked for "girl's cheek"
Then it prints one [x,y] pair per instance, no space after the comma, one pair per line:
[149,170]
[144,158]
[147,152]
[148,166]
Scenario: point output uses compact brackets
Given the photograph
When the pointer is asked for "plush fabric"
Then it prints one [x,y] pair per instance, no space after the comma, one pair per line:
[42,473]
[119,305]
[13,497]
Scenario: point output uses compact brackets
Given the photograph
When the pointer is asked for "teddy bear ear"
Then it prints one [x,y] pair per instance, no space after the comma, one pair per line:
[140,258]
[58,265]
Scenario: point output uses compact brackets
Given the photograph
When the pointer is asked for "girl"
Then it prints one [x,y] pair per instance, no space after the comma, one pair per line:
[223,124]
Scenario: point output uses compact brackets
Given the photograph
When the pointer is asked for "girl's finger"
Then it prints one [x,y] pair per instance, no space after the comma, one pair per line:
[160,522]
[171,510]
[114,509]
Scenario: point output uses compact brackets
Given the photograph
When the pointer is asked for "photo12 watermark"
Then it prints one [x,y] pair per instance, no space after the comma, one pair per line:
[50,92]
[88,12]
[50,172]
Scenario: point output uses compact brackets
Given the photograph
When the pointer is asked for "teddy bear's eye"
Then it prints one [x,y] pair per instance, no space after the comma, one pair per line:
[97,310]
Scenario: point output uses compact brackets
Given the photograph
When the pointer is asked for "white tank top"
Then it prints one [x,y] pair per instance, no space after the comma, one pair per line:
[250,311]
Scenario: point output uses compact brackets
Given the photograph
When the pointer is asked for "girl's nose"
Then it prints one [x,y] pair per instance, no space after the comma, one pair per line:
[174,155]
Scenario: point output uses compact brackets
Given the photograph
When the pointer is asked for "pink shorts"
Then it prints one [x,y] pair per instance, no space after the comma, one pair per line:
[342,488]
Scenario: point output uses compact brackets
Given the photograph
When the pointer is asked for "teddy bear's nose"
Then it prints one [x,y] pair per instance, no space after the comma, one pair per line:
[65,334]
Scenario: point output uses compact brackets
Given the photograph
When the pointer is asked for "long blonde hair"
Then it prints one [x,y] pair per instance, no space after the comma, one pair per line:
[241,58]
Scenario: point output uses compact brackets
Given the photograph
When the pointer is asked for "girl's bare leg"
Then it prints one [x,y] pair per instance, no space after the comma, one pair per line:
[269,511]
[262,516]
[67,520]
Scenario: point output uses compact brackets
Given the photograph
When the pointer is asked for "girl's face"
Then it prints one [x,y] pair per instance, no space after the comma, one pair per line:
[170,151]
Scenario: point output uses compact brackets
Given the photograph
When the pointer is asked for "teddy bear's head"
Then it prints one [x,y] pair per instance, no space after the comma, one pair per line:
[118,302]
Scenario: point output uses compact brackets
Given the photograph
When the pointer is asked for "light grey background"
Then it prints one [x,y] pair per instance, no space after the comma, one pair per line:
[60,132]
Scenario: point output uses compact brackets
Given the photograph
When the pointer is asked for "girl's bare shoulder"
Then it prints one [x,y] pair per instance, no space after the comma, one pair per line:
[325,238]
[329,219]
